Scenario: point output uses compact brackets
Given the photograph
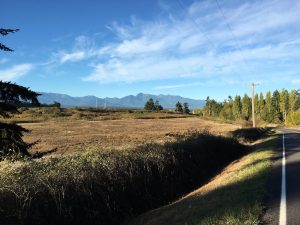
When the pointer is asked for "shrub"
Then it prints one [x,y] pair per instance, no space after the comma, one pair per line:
[294,118]
[250,134]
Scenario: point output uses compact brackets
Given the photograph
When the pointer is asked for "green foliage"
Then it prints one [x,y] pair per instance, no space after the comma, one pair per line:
[178,107]
[149,105]
[110,186]
[157,106]
[237,107]
[11,96]
[270,109]
[293,118]
[284,101]
[4,32]
[212,108]
[186,108]
[153,106]
[246,107]
[293,100]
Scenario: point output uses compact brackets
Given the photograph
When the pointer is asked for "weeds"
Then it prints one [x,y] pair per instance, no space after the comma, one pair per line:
[107,187]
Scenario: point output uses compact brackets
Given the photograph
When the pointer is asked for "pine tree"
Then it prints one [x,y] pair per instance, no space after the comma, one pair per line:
[186,108]
[261,103]
[256,104]
[149,105]
[157,106]
[246,107]
[268,102]
[178,107]
[284,101]
[11,96]
[275,107]
[237,107]
[4,32]
[292,100]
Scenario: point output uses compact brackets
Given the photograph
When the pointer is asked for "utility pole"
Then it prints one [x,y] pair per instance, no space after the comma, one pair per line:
[96,103]
[253,104]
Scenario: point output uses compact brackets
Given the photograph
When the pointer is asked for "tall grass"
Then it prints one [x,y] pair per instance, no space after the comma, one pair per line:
[107,187]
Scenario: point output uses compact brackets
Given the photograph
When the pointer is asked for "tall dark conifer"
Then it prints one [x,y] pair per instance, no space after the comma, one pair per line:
[12,96]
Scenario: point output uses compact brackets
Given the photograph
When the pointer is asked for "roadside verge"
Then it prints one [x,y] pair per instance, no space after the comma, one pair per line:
[236,196]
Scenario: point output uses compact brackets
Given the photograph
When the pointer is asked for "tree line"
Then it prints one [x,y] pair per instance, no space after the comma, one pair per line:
[270,107]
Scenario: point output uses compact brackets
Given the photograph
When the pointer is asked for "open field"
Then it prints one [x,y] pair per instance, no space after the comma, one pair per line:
[78,135]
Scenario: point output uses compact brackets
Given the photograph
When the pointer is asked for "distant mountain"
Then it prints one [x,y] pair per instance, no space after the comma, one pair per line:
[131,101]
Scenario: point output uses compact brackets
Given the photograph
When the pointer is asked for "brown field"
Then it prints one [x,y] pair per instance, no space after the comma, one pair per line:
[71,136]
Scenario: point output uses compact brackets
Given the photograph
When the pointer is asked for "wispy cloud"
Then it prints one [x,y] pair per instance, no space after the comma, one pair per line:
[196,41]
[71,57]
[169,87]
[15,72]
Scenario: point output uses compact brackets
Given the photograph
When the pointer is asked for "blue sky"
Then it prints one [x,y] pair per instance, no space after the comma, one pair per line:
[115,48]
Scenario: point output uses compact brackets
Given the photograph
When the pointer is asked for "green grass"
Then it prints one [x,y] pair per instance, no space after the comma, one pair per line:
[233,198]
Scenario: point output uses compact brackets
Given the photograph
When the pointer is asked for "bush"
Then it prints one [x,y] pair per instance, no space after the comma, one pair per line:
[108,187]
[294,118]
[250,134]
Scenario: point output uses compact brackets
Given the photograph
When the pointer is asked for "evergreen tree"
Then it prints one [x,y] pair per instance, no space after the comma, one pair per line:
[268,105]
[256,104]
[261,103]
[237,107]
[208,106]
[178,107]
[157,106]
[11,96]
[284,101]
[186,108]
[149,105]
[227,111]
[246,107]
[292,100]
[4,32]
[275,107]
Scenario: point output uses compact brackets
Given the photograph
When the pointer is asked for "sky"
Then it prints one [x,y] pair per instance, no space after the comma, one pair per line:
[116,48]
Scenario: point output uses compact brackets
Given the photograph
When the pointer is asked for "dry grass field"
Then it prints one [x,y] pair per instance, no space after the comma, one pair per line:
[71,136]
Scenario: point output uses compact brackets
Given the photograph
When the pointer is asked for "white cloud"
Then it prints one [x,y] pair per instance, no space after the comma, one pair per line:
[196,41]
[71,57]
[176,86]
[15,72]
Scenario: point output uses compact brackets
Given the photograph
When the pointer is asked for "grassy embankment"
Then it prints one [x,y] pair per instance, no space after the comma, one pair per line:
[236,196]
[108,187]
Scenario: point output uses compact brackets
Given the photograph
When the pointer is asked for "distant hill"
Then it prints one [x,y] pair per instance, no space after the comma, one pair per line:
[130,101]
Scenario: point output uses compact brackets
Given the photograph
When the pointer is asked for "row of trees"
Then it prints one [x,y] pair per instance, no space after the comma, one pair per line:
[155,106]
[182,108]
[271,107]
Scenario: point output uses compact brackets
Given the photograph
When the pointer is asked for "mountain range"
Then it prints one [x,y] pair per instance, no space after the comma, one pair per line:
[130,101]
